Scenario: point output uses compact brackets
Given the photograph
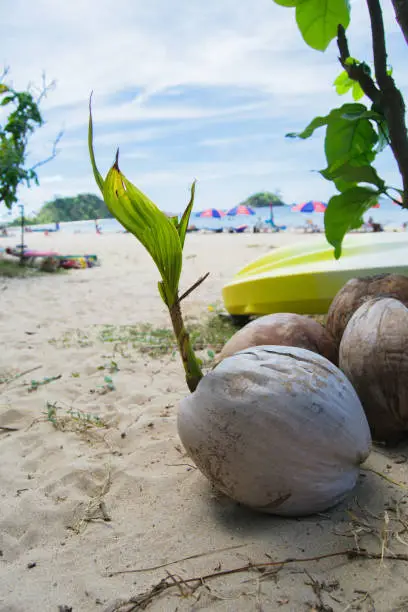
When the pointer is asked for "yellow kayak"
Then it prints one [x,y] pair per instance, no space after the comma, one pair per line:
[304,278]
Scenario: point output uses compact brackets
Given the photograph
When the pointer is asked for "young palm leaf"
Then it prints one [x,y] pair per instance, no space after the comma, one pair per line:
[162,237]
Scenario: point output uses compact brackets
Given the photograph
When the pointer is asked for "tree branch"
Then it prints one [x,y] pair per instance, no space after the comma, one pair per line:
[378,39]
[46,88]
[5,72]
[54,153]
[401,14]
[391,100]
[356,71]
[193,287]
[384,94]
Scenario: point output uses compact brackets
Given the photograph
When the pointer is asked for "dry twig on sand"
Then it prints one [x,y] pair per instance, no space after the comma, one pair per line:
[188,586]
[162,565]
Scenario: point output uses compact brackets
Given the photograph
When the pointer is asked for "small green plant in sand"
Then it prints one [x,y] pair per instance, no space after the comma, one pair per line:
[71,420]
[208,334]
[6,375]
[13,269]
[108,385]
[35,384]
[72,337]
[113,366]
[10,268]
[162,237]
[134,334]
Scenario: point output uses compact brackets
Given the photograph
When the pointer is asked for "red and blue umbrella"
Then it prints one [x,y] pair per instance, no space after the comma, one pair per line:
[310,207]
[397,201]
[241,210]
[211,212]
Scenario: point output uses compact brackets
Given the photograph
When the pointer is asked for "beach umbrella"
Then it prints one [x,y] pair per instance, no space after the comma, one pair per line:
[211,212]
[396,201]
[240,210]
[309,207]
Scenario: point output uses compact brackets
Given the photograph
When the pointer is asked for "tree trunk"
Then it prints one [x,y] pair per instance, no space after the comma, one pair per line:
[401,14]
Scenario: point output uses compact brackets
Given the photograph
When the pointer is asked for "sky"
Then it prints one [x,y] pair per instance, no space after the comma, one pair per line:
[187,90]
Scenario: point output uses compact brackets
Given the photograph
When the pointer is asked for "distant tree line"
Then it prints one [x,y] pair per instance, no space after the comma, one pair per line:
[87,206]
[82,207]
[264,198]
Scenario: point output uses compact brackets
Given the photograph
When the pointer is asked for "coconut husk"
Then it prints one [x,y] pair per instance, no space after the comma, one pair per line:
[374,356]
[357,291]
[282,329]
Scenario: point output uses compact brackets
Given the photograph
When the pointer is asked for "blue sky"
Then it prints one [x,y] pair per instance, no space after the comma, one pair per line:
[187,89]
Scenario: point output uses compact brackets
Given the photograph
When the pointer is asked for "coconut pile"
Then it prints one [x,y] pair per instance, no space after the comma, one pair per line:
[286,417]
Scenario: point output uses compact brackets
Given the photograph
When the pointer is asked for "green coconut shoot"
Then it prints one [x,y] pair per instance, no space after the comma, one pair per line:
[162,237]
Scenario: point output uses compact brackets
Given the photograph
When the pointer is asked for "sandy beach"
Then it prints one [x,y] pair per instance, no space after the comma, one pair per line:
[98,502]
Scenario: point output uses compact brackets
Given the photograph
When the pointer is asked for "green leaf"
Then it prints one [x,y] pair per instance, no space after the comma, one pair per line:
[348,111]
[7,100]
[352,112]
[355,112]
[149,225]
[344,213]
[383,134]
[343,83]
[316,123]
[353,174]
[358,93]
[350,138]
[3,88]
[289,3]
[97,174]
[160,286]
[318,21]
[183,225]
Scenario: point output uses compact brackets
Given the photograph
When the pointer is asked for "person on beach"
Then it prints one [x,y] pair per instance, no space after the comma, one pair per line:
[375,227]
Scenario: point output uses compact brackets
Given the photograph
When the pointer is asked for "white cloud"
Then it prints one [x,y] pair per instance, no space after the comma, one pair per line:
[238,140]
[57,178]
[185,82]
[123,113]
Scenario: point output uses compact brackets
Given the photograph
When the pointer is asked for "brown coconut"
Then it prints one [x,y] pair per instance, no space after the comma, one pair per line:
[358,290]
[374,356]
[282,329]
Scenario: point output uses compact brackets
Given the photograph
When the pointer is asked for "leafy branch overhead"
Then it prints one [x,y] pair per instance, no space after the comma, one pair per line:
[356,133]
[21,122]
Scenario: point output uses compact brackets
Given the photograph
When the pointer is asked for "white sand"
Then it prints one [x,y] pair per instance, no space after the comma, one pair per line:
[161,508]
